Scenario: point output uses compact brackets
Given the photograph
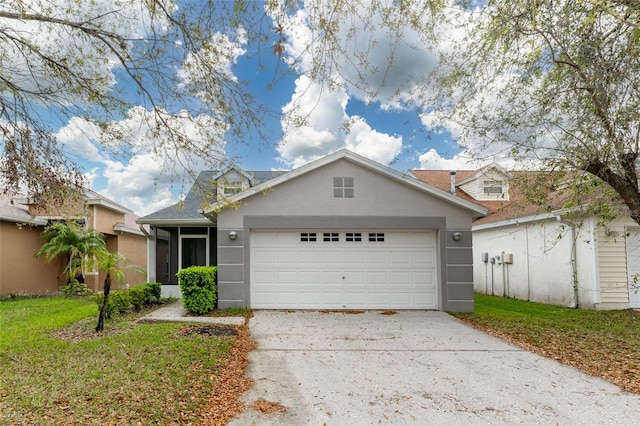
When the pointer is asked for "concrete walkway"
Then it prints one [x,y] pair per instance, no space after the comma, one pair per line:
[414,368]
[175,312]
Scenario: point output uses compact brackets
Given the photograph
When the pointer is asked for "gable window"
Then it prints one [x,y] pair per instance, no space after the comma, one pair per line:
[492,187]
[227,188]
[343,187]
[307,237]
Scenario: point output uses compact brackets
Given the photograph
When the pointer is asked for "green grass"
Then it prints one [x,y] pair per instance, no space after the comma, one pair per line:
[133,373]
[602,343]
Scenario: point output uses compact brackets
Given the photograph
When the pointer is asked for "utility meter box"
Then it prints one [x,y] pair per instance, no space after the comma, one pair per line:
[507,258]
[484,257]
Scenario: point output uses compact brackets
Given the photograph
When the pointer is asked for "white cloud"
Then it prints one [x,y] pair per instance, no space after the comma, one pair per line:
[144,166]
[80,136]
[320,126]
[373,60]
[216,58]
[363,140]
[432,160]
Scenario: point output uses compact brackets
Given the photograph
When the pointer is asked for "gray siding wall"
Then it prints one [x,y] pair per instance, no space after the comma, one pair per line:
[307,202]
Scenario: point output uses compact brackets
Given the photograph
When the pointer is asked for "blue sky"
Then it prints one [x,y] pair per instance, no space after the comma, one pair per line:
[381,126]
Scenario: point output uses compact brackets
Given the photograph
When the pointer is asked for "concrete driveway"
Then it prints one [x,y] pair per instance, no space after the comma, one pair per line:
[414,367]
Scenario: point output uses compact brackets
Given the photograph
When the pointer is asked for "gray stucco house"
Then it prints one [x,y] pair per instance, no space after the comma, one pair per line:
[342,232]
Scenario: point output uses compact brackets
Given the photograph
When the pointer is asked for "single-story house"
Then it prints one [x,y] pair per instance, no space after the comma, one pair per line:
[341,232]
[524,252]
[22,222]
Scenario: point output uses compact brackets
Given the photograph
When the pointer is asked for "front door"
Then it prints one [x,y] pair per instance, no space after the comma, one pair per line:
[633,266]
[193,251]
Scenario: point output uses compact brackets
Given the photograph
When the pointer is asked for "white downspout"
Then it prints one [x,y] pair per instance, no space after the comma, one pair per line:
[574,263]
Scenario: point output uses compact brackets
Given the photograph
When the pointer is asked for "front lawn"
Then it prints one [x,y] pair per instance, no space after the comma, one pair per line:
[55,370]
[601,343]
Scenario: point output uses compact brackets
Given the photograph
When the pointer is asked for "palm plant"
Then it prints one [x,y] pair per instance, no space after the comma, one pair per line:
[113,265]
[75,242]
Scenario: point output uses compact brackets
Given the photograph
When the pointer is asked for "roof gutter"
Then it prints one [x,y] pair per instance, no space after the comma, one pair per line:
[26,221]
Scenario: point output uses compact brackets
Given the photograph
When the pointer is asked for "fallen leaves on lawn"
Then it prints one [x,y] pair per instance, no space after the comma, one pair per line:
[84,330]
[225,402]
[620,367]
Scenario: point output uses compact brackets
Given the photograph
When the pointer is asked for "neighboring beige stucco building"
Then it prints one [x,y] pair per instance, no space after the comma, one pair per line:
[21,225]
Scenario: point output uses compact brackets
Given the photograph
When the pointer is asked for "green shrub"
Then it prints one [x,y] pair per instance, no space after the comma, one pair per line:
[152,293]
[198,288]
[118,303]
[75,288]
[137,295]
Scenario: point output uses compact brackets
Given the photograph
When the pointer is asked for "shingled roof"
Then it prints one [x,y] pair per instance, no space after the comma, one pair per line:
[188,212]
[514,208]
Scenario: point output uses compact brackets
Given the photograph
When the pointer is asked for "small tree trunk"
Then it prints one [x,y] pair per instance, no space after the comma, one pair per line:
[103,308]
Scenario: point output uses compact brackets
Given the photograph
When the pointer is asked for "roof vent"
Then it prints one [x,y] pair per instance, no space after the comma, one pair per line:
[453,182]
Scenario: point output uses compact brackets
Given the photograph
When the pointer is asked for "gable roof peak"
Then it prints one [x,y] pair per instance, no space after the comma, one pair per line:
[362,161]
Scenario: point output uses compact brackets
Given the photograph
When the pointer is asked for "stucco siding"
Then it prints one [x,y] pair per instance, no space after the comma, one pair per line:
[311,194]
[103,219]
[134,248]
[20,272]
[541,270]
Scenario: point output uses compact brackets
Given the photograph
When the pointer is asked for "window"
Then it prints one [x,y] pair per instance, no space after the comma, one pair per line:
[306,237]
[492,187]
[353,237]
[330,236]
[343,187]
[376,236]
[228,188]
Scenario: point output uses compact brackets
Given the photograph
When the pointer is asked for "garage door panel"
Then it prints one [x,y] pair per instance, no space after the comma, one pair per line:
[286,277]
[424,277]
[284,238]
[384,270]
[425,298]
[376,256]
[331,299]
[400,278]
[263,277]
[310,277]
[357,256]
[266,239]
[425,257]
[331,257]
[263,256]
[286,257]
[377,277]
[331,277]
[355,276]
[307,256]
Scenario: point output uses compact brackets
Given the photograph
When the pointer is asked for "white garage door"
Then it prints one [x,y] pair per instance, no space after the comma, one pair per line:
[301,269]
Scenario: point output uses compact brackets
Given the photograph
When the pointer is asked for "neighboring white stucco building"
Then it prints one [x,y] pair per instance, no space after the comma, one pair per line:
[545,257]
